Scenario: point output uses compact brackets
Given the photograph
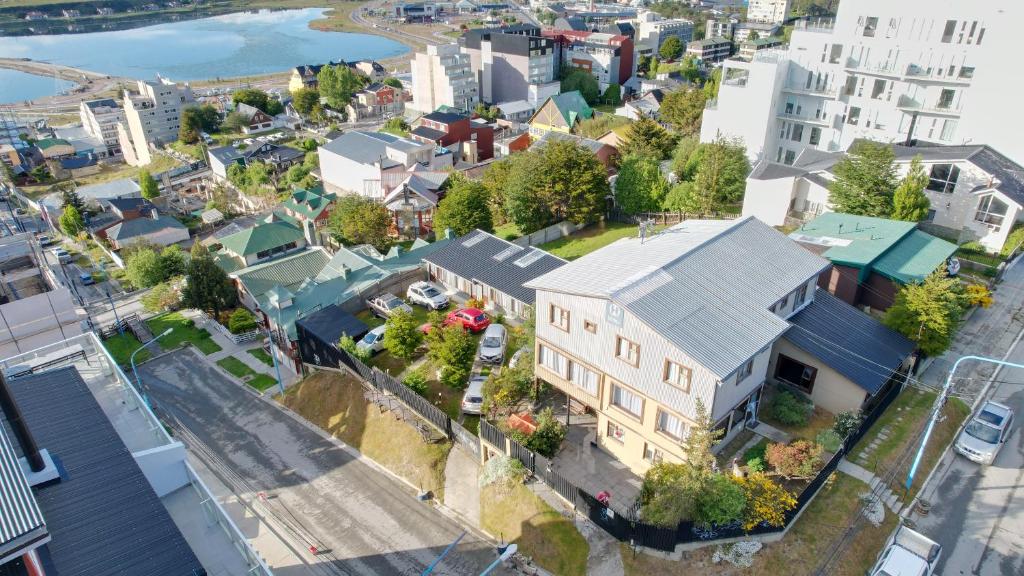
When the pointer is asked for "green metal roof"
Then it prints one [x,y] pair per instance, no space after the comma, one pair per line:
[50,142]
[261,237]
[288,272]
[914,258]
[309,203]
[572,106]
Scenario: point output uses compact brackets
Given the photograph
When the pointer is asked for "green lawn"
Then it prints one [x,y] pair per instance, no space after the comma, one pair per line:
[507,231]
[262,382]
[181,331]
[589,239]
[122,346]
[261,355]
[240,370]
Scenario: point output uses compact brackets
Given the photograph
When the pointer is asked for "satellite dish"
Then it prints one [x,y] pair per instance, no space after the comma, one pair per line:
[953,266]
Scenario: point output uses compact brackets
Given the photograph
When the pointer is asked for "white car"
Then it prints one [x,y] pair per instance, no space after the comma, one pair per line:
[373,341]
[986,433]
[473,399]
[387,304]
[908,553]
[427,295]
[492,345]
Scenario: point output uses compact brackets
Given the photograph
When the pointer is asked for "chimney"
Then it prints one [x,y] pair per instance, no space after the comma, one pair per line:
[21,431]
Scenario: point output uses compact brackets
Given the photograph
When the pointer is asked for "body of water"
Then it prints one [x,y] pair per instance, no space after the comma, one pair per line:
[16,86]
[241,44]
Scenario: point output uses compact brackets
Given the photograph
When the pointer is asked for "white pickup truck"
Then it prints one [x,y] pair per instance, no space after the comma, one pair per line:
[908,553]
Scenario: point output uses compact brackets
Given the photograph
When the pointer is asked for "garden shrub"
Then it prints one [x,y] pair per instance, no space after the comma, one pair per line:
[416,380]
[755,452]
[241,321]
[546,439]
[755,464]
[794,460]
[790,409]
[847,423]
[829,440]
[190,323]
[721,502]
[475,303]
[347,344]
[767,502]
[501,469]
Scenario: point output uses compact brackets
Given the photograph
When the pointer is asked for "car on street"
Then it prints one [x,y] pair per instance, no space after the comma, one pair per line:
[426,294]
[62,255]
[492,345]
[472,319]
[908,553]
[986,433]
[20,211]
[473,399]
[44,240]
[373,341]
[86,279]
[387,304]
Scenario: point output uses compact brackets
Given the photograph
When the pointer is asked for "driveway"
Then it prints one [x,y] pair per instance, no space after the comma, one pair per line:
[368,522]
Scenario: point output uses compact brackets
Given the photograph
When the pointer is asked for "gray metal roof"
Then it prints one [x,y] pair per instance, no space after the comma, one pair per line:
[705,285]
[473,257]
[362,147]
[103,515]
[592,145]
[141,226]
[849,341]
[21,521]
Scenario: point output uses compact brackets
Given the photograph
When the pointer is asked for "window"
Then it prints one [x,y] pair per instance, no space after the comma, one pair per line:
[782,303]
[815,136]
[745,370]
[947,32]
[616,432]
[590,326]
[627,351]
[878,88]
[559,317]
[798,133]
[991,211]
[946,99]
[652,454]
[627,401]
[583,377]
[835,52]
[948,128]
[552,360]
[801,296]
[967,71]
[943,178]
[854,116]
[677,375]
[795,373]
[790,157]
[870,25]
[670,425]
[851,85]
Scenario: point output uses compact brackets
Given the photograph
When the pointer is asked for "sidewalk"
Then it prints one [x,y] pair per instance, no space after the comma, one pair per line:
[238,351]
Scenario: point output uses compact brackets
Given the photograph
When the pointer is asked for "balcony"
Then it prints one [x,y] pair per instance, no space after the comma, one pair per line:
[805,119]
[915,73]
[909,104]
[888,70]
[828,92]
[822,25]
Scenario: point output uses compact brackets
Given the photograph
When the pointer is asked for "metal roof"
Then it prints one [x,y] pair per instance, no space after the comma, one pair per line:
[849,341]
[127,229]
[704,285]
[21,522]
[366,147]
[289,271]
[263,236]
[103,515]
[500,264]
[331,323]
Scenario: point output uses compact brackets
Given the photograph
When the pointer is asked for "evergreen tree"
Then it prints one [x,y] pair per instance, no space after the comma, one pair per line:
[148,185]
[647,138]
[305,99]
[70,197]
[142,268]
[584,82]
[465,207]
[207,286]
[683,109]
[865,180]
[338,83]
[360,220]
[190,125]
[721,174]
[71,221]
[640,187]
[909,201]
[402,336]
[612,95]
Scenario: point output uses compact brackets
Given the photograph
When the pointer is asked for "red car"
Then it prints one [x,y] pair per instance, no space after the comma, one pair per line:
[472,319]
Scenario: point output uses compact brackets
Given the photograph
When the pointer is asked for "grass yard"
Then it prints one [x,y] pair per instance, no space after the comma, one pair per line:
[801,551]
[335,403]
[122,346]
[181,332]
[507,231]
[262,382]
[820,419]
[193,150]
[515,514]
[589,239]
[236,367]
[261,355]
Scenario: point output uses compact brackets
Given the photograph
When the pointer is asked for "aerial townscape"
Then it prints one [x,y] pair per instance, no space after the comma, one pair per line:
[472,287]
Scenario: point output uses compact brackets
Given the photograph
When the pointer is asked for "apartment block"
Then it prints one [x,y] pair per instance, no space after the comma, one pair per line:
[443,76]
[509,61]
[652,30]
[719,28]
[767,11]
[100,119]
[607,57]
[919,70]
[152,116]
[711,50]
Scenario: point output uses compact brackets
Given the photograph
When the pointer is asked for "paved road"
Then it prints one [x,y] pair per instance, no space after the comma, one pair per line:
[371,523]
[977,513]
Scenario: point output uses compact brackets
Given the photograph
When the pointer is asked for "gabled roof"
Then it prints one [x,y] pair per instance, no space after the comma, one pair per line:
[114,189]
[703,285]
[125,204]
[310,203]
[288,272]
[261,237]
[22,526]
[500,264]
[592,145]
[849,341]
[571,106]
[1009,174]
[429,133]
[128,229]
[444,117]
[225,154]
[51,142]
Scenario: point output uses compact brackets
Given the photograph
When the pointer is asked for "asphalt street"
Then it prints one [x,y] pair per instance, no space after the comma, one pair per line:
[370,523]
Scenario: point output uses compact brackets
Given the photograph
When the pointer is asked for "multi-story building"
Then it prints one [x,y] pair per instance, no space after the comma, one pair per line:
[753,30]
[749,47]
[373,163]
[719,28]
[711,50]
[100,119]
[924,70]
[471,140]
[152,118]
[653,30]
[509,61]
[378,100]
[443,76]
[767,11]
[607,57]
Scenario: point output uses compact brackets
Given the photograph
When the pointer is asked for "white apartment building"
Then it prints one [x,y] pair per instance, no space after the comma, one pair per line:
[767,11]
[151,118]
[933,71]
[373,163]
[442,76]
[719,28]
[100,119]
[652,30]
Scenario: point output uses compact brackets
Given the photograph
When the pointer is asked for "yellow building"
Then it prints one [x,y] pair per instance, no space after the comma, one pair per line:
[560,113]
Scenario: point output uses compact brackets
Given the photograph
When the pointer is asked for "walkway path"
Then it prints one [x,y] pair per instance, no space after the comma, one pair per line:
[461,484]
[887,496]
[239,351]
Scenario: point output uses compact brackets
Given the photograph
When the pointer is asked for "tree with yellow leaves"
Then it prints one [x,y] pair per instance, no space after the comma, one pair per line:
[767,502]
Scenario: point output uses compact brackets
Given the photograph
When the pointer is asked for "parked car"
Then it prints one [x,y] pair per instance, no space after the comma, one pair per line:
[206,137]
[518,357]
[986,433]
[387,304]
[427,295]
[373,341]
[86,279]
[45,240]
[20,211]
[62,255]
[908,553]
[473,399]
[492,345]
[472,319]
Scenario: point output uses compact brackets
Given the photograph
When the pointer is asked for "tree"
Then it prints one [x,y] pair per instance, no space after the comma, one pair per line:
[452,348]
[767,502]
[700,441]
[209,117]
[640,186]
[235,122]
[172,262]
[161,298]
[584,82]
[487,113]
[753,36]
[207,286]
[909,201]
[647,138]
[465,207]
[258,99]
[142,268]
[598,126]
[666,495]
[148,185]
[349,345]
[710,88]
[865,179]
[797,459]
[612,95]
[190,125]
[505,389]
[69,196]
[682,198]
[397,126]
[683,109]
[548,435]
[304,99]
[685,160]
[241,321]
[721,502]
[928,312]
[71,221]
[338,83]
[416,380]
[360,220]
[721,176]
[393,82]
[671,48]
[402,336]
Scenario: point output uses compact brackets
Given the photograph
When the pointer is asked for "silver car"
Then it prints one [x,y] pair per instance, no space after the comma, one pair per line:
[492,345]
[373,341]
[985,434]
[427,295]
[387,304]
[473,399]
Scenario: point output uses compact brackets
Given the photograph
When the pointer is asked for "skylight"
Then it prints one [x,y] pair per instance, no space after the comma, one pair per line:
[504,254]
[529,258]
[473,241]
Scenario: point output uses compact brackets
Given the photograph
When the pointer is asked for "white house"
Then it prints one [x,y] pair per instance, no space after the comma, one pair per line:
[372,163]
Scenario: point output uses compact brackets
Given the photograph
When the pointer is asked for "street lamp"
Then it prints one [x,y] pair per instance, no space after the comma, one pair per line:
[117,321]
[138,381]
[273,351]
[941,401]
